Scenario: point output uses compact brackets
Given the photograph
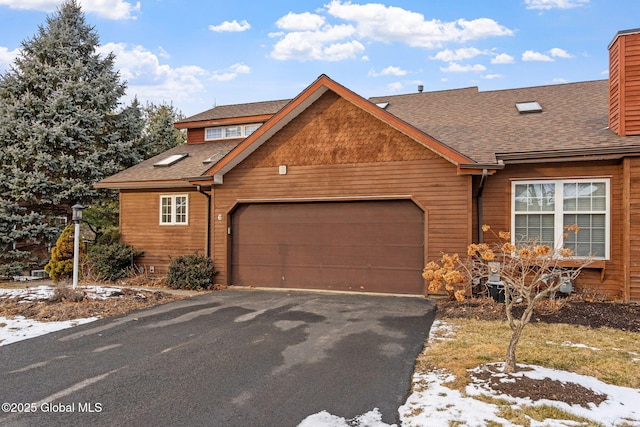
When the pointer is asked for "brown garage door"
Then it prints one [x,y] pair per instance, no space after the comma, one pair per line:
[371,246]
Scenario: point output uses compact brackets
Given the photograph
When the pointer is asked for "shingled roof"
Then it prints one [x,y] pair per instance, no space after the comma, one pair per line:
[199,158]
[237,110]
[486,126]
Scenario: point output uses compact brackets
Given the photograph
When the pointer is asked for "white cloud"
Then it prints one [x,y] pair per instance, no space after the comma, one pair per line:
[559,80]
[554,4]
[389,71]
[531,55]
[324,44]
[240,68]
[493,76]
[454,67]
[231,72]
[457,55]
[560,53]
[308,36]
[502,58]
[7,57]
[230,27]
[300,21]
[393,24]
[110,9]
[151,80]
[395,87]
[163,53]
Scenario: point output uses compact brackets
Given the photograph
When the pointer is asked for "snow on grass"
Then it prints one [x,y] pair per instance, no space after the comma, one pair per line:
[45,292]
[19,328]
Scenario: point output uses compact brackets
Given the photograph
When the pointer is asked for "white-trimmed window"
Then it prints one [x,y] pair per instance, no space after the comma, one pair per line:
[174,210]
[214,133]
[542,209]
[230,132]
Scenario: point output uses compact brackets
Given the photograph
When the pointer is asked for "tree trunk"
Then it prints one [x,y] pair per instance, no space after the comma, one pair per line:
[510,361]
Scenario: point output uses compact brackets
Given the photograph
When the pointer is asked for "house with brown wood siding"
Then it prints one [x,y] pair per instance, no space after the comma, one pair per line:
[329,190]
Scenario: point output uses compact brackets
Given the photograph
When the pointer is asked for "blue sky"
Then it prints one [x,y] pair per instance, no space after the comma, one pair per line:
[198,54]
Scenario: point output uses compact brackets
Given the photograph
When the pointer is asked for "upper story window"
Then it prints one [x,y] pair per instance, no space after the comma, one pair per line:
[542,210]
[174,210]
[229,132]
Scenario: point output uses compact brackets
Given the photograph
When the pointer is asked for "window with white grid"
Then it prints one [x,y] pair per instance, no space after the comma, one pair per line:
[541,211]
[174,210]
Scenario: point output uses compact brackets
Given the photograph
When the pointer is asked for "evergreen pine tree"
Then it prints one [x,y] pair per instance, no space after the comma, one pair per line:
[159,134]
[62,128]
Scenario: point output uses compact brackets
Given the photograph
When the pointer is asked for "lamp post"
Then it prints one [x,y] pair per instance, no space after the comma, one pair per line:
[77,219]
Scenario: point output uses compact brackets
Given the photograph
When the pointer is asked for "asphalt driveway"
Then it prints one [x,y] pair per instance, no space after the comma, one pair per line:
[228,358]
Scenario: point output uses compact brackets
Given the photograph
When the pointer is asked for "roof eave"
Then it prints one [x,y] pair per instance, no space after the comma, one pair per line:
[222,121]
[590,154]
[143,185]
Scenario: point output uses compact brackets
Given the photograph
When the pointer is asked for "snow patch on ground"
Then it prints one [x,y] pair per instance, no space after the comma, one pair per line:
[19,328]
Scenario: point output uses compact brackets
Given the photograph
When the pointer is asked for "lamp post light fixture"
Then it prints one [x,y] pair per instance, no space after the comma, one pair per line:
[76,217]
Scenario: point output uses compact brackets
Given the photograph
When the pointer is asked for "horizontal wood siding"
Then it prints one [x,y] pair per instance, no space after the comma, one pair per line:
[633,165]
[497,214]
[140,227]
[632,83]
[336,150]
[195,136]
[614,88]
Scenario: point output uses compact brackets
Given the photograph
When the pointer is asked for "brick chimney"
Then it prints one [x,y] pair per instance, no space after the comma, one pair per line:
[624,83]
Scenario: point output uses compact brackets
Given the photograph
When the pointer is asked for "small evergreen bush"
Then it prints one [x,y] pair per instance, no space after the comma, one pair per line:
[60,265]
[112,262]
[190,272]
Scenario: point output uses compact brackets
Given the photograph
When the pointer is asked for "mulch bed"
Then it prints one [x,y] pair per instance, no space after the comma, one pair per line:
[625,317]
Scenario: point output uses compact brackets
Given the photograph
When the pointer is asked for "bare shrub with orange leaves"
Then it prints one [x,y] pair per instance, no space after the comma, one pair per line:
[528,272]
[449,274]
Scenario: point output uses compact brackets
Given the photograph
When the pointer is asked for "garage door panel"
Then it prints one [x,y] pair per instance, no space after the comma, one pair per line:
[368,246]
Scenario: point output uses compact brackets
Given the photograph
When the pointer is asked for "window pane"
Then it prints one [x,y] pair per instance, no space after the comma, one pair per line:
[599,203]
[181,209]
[534,227]
[598,250]
[535,197]
[591,238]
[233,131]
[249,129]
[585,196]
[166,210]
[213,133]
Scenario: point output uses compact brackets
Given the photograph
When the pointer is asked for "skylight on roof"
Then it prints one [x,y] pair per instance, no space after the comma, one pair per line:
[528,107]
[172,159]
